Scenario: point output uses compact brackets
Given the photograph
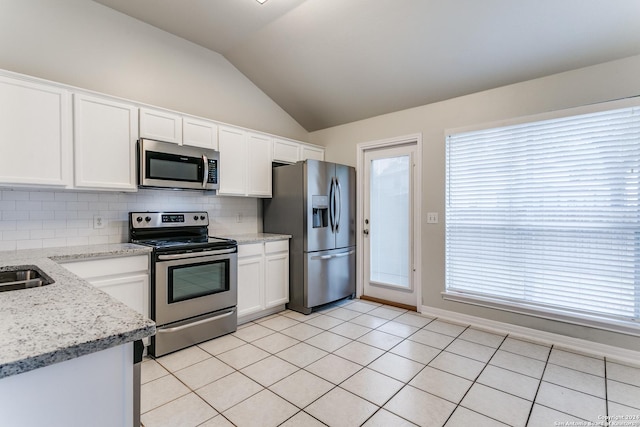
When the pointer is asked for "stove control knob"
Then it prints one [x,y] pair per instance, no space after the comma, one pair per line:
[139,219]
[148,218]
[202,217]
[195,217]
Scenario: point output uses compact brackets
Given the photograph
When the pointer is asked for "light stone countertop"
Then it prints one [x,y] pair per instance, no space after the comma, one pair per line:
[256,237]
[66,319]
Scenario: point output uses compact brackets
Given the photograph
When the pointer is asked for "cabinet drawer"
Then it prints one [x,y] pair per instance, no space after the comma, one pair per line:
[251,249]
[108,266]
[276,246]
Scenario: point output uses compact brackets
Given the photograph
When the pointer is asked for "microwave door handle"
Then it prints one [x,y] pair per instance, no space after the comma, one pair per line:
[206,171]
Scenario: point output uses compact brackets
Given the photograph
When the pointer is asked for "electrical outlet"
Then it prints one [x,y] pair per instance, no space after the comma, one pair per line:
[98,221]
[432,217]
[239,217]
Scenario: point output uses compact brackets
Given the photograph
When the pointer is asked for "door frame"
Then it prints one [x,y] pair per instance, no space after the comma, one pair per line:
[417,218]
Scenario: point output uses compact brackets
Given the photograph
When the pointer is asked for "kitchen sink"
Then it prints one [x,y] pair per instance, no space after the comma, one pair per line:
[22,277]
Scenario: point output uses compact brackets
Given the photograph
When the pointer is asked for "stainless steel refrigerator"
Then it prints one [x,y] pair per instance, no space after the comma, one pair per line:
[314,202]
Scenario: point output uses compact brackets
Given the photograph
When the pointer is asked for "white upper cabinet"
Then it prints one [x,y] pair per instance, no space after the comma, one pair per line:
[199,133]
[233,161]
[47,141]
[309,152]
[105,133]
[160,125]
[166,126]
[285,151]
[245,163]
[35,134]
[259,167]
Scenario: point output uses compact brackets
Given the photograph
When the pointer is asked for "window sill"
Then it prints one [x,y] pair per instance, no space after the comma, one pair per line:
[627,327]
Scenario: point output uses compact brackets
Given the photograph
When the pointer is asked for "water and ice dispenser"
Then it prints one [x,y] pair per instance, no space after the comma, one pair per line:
[320,205]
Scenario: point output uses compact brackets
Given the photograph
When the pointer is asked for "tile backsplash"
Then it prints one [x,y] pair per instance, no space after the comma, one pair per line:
[46,218]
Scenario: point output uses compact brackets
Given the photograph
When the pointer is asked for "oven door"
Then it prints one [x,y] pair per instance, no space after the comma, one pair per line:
[193,284]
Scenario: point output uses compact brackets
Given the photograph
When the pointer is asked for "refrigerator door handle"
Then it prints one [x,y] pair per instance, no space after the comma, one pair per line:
[343,254]
[339,204]
[340,255]
[332,206]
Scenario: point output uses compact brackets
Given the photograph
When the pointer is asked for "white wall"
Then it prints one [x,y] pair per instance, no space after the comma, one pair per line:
[47,218]
[613,80]
[86,44]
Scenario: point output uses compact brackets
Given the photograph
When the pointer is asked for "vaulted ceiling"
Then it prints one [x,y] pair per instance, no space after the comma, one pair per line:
[329,62]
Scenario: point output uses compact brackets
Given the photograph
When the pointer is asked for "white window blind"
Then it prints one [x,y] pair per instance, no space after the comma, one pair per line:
[546,215]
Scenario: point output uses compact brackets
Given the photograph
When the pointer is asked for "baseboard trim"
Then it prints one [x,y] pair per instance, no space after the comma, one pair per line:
[577,344]
[260,314]
[391,303]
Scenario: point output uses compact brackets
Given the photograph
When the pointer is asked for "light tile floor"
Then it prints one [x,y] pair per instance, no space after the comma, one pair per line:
[359,363]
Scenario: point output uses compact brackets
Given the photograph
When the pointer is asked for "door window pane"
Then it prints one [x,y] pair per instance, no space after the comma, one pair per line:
[389,221]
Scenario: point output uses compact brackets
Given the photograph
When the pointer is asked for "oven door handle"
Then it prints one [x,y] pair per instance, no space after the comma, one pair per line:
[195,254]
[199,322]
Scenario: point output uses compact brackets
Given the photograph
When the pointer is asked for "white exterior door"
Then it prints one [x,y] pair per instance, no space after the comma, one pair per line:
[388,224]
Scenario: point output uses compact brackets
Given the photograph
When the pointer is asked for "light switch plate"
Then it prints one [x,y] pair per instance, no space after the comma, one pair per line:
[432,217]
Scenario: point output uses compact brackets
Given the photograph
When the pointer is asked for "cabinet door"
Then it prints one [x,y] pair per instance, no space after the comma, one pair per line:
[250,285]
[259,168]
[199,133]
[233,161]
[105,134]
[132,291]
[307,152]
[277,279]
[285,151]
[160,125]
[35,134]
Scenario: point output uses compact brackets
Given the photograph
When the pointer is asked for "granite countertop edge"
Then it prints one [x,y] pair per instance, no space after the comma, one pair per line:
[67,319]
[247,238]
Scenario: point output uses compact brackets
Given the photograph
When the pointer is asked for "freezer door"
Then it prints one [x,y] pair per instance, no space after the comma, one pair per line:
[329,276]
[345,229]
[318,202]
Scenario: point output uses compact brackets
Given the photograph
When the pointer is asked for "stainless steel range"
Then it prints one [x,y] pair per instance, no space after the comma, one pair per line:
[194,278]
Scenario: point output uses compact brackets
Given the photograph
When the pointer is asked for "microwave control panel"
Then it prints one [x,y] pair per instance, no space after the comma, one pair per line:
[213,171]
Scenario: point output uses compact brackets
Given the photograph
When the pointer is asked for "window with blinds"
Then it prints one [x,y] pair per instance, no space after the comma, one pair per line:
[544,217]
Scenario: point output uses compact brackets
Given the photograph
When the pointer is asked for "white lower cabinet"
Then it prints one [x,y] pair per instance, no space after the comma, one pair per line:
[124,278]
[263,279]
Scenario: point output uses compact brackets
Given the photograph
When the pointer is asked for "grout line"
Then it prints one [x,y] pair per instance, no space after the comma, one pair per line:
[606,391]
[384,352]
[535,397]
[477,376]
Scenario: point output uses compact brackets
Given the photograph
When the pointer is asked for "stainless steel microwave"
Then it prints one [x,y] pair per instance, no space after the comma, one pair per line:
[166,165]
